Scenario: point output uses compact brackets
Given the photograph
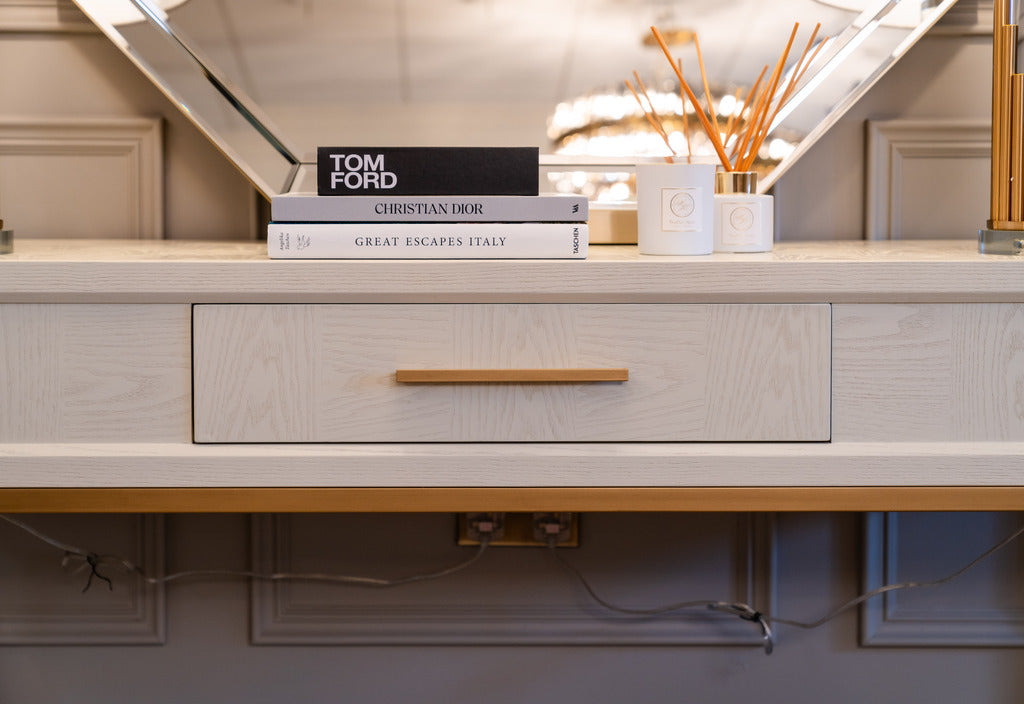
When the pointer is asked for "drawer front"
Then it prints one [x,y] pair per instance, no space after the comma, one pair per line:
[327,373]
[935,372]
[94,373]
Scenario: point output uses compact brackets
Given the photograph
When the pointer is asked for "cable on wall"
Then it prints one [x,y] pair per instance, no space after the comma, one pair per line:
[95,562]
[743,611]
[748,613]
[885,589]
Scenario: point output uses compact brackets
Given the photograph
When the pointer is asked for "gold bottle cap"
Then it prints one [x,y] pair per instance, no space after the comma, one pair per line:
[736,182]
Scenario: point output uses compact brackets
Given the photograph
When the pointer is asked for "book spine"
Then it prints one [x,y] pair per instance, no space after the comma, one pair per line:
[427,240]
[347,171]
[314,208]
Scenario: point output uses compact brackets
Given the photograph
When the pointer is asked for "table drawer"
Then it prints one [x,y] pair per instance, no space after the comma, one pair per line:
[330,373]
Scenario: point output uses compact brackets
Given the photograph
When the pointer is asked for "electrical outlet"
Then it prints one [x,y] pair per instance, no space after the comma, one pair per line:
[474,526]
[553,527]
[520,529]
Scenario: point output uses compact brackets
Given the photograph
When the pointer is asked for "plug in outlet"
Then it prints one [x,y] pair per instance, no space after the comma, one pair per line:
[474,527]
[554,528]
[519,529]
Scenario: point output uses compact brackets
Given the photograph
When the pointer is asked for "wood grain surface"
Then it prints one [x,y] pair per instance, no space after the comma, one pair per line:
[327,373]
[929,372]
[94,372]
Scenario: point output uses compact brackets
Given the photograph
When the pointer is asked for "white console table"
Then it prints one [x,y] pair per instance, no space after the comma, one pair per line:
[183,376]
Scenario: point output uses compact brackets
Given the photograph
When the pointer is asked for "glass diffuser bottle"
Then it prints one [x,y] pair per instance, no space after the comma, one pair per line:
[744,220]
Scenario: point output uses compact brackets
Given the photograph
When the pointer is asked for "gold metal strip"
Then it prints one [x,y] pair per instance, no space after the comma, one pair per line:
[998,15]
[1016,226]
[1017,147]
[459,499]
[508,376]
[1005,44]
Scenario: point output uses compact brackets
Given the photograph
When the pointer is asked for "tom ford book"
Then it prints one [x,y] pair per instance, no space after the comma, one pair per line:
[309,207]
[403,171]
[520,240]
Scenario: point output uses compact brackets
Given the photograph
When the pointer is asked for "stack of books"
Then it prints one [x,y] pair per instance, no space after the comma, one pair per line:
[427,203]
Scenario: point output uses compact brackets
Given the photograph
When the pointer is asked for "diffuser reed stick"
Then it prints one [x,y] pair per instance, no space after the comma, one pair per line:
[712,133]
[747,129]
[755,95]
[686,119]
[704,80]
[795,76]
[731,123]
[748,159]
[651,115]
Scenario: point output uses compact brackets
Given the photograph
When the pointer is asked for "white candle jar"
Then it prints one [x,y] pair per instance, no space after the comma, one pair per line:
[675,208]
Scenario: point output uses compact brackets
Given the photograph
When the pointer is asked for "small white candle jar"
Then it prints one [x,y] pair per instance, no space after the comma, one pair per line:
[744,220]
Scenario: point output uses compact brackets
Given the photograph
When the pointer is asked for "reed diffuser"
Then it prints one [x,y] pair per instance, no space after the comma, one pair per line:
[743,221]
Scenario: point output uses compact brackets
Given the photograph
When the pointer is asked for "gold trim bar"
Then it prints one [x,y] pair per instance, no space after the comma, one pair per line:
[1006,45]
[999,12]
[461,499]
[1016,150]
[1007,187]
[509,376]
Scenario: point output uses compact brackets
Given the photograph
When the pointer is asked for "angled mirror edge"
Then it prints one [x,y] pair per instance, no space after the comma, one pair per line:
[237,99]
[838,111]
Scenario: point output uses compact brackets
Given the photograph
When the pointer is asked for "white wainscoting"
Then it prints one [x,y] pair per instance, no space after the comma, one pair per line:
[43,16]
[44,604]
[982,607]
[82,177]
[927,179]
[511,596]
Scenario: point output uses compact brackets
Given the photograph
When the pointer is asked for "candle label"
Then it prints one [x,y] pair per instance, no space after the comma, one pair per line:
[741,223]
[681,209]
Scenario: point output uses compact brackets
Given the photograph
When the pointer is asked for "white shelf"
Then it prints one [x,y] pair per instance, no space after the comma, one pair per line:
[101,271]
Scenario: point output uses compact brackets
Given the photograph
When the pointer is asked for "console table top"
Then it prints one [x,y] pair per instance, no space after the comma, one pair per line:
[177,271]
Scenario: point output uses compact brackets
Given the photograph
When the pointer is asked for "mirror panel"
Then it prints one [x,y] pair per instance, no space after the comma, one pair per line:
[270,80]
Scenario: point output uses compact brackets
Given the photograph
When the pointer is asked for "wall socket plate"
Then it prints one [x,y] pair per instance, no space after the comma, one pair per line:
[520,529]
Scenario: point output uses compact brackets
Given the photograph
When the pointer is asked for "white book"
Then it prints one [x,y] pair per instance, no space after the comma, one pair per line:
[461,240]
[309,207]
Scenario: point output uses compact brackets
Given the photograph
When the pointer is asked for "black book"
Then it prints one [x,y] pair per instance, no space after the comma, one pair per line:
[427,171]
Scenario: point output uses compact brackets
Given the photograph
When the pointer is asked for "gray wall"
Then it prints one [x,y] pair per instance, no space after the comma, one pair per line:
[941,92]
[57,72]
[516,626]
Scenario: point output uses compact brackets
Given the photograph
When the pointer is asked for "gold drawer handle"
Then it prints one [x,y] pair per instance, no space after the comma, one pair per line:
[508,376]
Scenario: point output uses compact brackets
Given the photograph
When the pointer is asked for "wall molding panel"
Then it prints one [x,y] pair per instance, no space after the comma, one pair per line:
[966,18]
[539,603]
[43,16]
[44,604]
[960,613]
[106,172]
[899,149]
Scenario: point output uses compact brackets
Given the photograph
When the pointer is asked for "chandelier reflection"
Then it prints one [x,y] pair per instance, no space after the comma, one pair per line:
[611,125]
